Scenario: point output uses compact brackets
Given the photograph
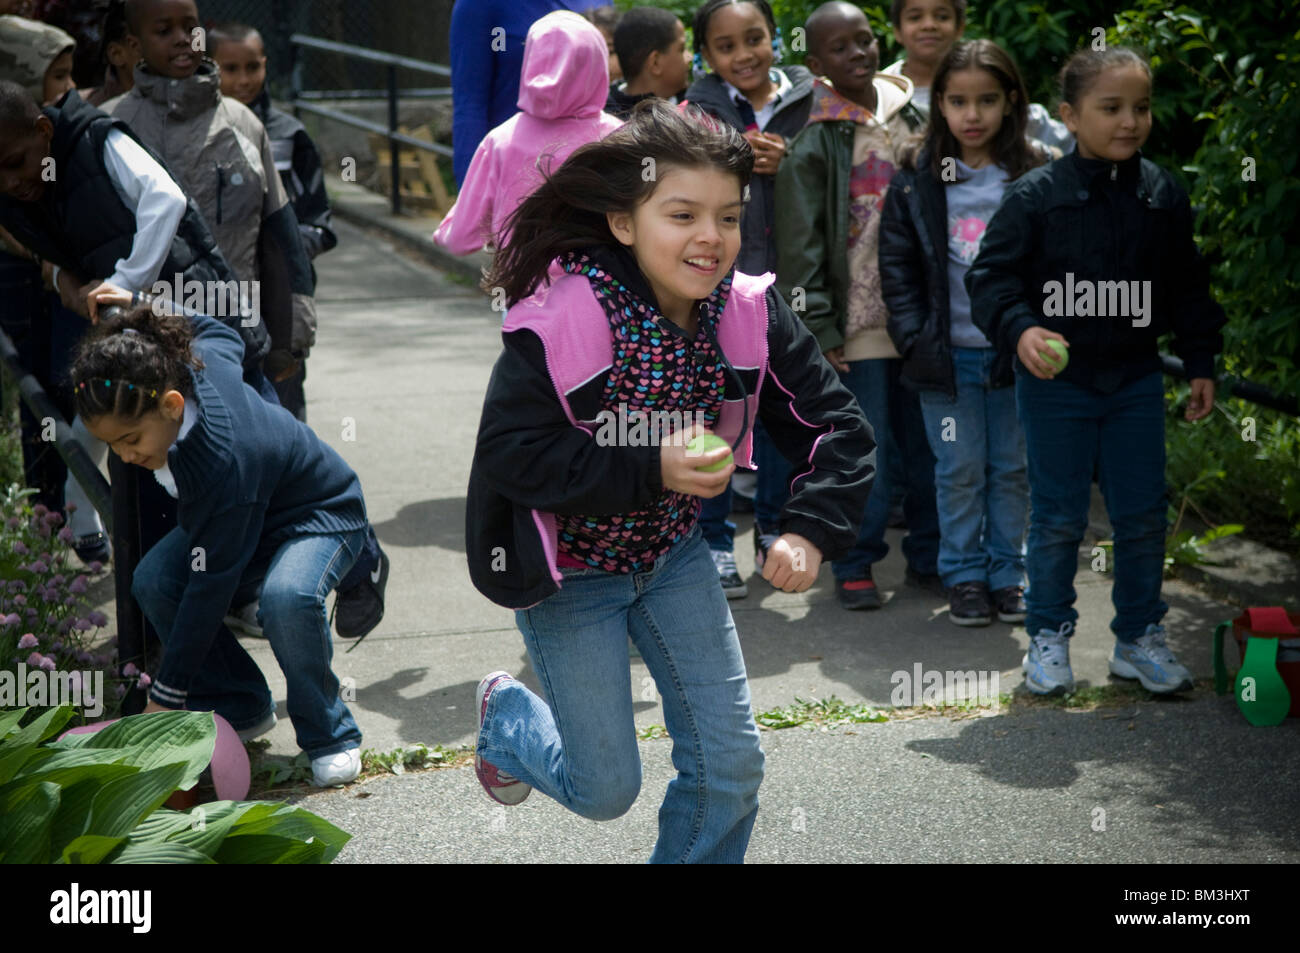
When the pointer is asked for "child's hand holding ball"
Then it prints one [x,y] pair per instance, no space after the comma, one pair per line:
[1044,353]
[697,462]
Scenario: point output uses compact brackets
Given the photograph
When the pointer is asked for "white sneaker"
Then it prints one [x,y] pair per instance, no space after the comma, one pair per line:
[1047,663]
[335,770]
[1149,660]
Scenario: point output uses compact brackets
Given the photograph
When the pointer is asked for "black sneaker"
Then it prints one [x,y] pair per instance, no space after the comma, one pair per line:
[1010,603]
[858,593]
[968,604]
[93,547]
[929,581]
[358,610]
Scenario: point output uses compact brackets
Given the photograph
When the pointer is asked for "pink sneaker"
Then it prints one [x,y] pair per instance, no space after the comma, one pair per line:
[499,786]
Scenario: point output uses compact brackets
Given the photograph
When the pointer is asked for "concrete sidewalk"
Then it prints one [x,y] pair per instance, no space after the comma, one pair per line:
[395,385]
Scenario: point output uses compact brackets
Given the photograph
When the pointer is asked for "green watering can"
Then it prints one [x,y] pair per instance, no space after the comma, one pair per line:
[1262,693]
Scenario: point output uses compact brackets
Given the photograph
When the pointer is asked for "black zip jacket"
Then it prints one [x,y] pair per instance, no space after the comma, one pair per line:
[757,244]
[529,456]
[1081,229]
[914,281]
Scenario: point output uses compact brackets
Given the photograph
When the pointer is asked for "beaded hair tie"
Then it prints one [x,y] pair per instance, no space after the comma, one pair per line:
[109,383]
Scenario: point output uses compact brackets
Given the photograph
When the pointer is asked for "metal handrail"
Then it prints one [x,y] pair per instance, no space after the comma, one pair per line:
[392,64]
[1239,387]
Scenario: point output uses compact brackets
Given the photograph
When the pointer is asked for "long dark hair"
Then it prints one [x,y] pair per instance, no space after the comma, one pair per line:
[129,361]
[1009,148]
[615,174]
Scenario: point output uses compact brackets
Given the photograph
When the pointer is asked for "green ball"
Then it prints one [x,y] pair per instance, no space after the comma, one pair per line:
[1058,357]
[703,444]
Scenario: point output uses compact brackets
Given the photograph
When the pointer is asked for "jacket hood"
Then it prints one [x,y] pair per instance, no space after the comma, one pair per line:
[183,98]
[710,92]
[828,105]
[565,71]
[27,48]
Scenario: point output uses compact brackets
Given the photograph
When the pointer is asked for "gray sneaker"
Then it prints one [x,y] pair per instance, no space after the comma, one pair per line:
[1047,663]
[733,587]
[1149,660]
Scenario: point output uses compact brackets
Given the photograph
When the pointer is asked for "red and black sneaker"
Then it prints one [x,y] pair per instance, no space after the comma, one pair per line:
[859,592]
[500,787]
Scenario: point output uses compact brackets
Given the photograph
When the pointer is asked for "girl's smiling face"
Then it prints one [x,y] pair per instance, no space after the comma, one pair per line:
[1113,118]
[685,236]
[927,29]
[738,46]
[145,440]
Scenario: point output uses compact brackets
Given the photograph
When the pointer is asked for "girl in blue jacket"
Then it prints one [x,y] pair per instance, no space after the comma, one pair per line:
[630,332]
[263,506]
[1093,257]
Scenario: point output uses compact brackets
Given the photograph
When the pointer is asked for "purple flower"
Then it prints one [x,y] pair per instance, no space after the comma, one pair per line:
[65,627]
[52,518]
[71,507]
[128,671]
[58,580]
[83,656]
[51,620]
[78,585]
[32,613]
[28,641]
[12,618]
[144,681]
[57,647]
[47,558]
[119,689]
[96,566]
[40,510]
[82,625]
[13,522]
[70,601]
[98,618]
[38,567]
[47,663]
[21,548]
[35,659]
[20,600]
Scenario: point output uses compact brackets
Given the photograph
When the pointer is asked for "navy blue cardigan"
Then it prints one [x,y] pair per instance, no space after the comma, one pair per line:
[249,476]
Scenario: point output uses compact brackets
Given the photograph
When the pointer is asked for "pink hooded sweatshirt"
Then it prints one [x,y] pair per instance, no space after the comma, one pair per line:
[562,91]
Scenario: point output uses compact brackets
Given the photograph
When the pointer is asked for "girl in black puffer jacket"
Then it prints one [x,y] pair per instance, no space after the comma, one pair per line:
[935,214]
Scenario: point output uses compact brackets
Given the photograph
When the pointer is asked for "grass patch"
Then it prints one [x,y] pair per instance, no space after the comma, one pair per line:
[272,774]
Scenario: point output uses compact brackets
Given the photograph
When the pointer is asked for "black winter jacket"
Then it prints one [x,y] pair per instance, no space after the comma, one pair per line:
[914,280]
[1077,237]
[757,244]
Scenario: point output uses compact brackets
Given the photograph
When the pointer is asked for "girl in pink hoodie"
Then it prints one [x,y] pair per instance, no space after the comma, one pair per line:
[562,90]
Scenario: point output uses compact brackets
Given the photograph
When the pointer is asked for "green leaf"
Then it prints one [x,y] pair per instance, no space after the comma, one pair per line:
[14,760]
[43,727]
[270,849]
[26,813]
[79,791]
[150,741]
[294,822]
[121,805]
[154,853]
[9,721]
[90,849]
[209,825]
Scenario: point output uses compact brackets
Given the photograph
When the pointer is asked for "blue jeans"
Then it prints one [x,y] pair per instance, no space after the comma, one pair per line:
[888,406]
[1072,432]
[981,486]
[579,746]
[719,532]
[292,583]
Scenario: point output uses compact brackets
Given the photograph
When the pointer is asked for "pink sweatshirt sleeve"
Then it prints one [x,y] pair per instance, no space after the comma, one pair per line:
[467,226]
